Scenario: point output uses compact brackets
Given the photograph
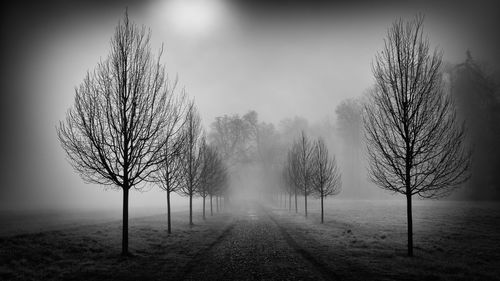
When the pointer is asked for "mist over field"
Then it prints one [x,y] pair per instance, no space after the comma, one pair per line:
[288,121]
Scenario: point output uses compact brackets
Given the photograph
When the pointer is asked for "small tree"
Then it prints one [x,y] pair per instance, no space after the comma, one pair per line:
[210,173]
[303,153]
[291,175]
[113,135]
[169,173]
[326,179]
[217,178]
[415,144]
[191,156]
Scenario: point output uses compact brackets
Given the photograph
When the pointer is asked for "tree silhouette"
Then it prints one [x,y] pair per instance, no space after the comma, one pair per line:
[303,151]
[326,179]
[191,156]
[213,175]
[414,141]
[169,173]
[113,134]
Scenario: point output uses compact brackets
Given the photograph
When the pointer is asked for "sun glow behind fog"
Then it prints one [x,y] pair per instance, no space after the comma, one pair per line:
[195,17]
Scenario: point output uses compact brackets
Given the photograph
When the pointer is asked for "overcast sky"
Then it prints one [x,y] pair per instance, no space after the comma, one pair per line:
[283,59]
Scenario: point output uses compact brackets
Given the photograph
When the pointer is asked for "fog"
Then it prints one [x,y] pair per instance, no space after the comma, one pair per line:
[292,63]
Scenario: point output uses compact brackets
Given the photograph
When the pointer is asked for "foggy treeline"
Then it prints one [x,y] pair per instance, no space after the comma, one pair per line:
[131,126]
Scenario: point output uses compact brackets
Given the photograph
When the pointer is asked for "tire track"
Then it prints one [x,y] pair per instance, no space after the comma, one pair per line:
[320,266]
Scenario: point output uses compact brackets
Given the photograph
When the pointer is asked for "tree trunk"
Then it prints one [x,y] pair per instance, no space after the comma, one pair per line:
[169,227]
[305,201]
[217,202]
[204,207]
[410,225]
[296,209]
[284,200]
[125,222]
[211,209]
[289,202]
[322,212]
[191,209]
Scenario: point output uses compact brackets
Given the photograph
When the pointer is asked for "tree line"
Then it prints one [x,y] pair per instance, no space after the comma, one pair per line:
[310,170]
[129,126]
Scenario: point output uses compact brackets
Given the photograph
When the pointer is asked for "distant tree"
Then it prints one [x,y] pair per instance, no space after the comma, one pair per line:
[303,151]
[349,126]
[415,144]
[326,179]
[113,135]
[298,168]
[218,180]
[212,175]
[169,173]
[191,156]
[290,128]
[231,137]
[350,121]
[289,179]
[476,89]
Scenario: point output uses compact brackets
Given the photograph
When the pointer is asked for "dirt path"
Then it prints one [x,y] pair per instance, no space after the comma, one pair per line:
[255,247]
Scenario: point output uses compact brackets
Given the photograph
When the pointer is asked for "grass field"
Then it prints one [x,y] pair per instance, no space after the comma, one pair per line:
[360,240]
[367,239]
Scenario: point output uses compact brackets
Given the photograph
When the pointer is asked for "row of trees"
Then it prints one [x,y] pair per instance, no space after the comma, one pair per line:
[416,144]
[129,127]
[310,169]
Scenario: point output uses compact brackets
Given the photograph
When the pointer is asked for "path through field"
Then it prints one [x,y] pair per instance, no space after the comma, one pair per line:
[256,247]
[360,240]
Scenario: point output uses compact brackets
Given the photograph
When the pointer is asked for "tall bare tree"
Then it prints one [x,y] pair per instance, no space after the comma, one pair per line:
[207,172]
[292,172]
[415,143]
[326,179]
[113,134]
[213,178]
[191,156]
[303,151]
[169,173]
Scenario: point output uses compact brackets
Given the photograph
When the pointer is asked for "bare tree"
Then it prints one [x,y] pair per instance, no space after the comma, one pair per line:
[292,173]
[113,135]
[288,182]
[303,154]
[169,173]
[326,179]
[213,176]
[191,156]
[208,172]
[414,141]
[349,121]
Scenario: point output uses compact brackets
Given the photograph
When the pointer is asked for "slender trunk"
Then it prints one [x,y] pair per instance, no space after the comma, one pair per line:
[125,222]
[305,200]
[284,200]
[169,226]
[410,225]
[217,202]
[322,212]
[296,209]
[204,207]
[408,201]
[191,209]
[289,202]
[211,209]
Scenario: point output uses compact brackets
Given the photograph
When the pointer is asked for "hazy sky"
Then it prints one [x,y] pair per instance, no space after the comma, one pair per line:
[283,59]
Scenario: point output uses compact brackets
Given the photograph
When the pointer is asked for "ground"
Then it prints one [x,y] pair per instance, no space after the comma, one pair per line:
[360,240]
